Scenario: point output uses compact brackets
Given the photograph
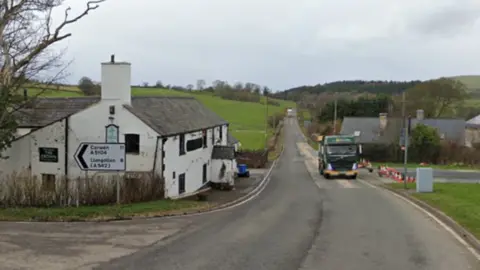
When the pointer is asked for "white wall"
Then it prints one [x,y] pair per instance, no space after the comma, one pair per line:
[24,152]
[89,126]
[22,131]
[116,82]
[224,134]
[228,177]
[191,164]
[472,136]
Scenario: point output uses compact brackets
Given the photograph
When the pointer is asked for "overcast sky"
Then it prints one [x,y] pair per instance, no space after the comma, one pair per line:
[279,43]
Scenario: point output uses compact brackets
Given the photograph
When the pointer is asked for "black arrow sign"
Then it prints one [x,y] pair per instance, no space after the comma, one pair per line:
[80,156]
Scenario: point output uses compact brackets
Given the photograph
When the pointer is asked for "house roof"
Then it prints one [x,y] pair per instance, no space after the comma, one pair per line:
[370,131]
[44,111]
[165,115]
[474,122]
[223,152]
[231,140]
[452,129]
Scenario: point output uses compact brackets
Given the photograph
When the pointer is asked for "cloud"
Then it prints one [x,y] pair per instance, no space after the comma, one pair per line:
[279,43]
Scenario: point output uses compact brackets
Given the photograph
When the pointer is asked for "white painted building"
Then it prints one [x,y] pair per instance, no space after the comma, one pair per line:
[223,166]
[172,137]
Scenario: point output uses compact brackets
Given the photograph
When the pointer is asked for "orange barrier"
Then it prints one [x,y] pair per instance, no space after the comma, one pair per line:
[384,171]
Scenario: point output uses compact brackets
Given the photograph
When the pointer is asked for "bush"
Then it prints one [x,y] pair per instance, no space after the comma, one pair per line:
[424,144]
[273,102]
[274,120]
[19,189]
[238,95]
[253,158]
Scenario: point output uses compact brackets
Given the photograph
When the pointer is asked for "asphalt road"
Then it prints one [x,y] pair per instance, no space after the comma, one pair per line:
[300,222]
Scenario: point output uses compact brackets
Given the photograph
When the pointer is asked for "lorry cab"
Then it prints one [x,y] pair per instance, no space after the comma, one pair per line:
[339,156]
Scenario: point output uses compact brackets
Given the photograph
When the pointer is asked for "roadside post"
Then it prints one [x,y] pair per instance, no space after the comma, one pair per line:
[405,157]
[103,157]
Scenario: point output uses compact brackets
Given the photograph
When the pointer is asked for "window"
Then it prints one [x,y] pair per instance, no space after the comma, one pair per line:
[48,182]
[213,136]
[205,139]
[195,144]
[182,144]
[132,144]
[181,183]
[221,133]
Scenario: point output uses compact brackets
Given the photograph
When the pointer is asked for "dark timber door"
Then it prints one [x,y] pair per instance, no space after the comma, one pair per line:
[204,174]
[181,183]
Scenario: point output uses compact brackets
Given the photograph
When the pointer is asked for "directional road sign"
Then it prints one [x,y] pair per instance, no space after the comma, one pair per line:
[101,156]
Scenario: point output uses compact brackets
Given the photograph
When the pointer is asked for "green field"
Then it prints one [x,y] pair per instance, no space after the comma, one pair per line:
[247,119]
[459,201]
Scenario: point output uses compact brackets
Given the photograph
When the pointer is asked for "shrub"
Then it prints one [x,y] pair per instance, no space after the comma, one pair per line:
[20,189]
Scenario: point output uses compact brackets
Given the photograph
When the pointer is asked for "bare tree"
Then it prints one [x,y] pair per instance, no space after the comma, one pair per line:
[200,84]
[27,60]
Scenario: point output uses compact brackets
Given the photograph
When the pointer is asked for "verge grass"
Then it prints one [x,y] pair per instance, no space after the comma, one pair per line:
[100,212]
[460,201]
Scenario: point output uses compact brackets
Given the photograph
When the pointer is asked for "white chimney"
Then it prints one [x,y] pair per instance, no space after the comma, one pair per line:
[420,115]
[116,81]
[383,120]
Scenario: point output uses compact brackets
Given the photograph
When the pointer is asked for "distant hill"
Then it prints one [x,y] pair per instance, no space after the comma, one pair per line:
[471,81]
[387,87]
[357,86]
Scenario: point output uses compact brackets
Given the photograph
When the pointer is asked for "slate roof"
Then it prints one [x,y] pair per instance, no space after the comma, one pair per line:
[48,110]
[370,131]
[474,122]
[165,115]
[174,115]
[231,140]
[223,152]
[452,129]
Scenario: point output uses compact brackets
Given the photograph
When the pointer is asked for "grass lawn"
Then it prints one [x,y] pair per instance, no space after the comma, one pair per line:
[413,165]
[81,213]
[247,119]
[459,201]
[272,155]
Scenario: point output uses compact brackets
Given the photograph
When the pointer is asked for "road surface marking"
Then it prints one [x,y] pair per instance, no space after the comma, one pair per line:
[445,226]
[346,183]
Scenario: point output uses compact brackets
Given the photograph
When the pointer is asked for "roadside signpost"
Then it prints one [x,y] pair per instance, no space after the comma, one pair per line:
[101,157]
[105,157]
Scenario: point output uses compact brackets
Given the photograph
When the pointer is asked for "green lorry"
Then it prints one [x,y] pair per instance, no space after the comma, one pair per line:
[339,155]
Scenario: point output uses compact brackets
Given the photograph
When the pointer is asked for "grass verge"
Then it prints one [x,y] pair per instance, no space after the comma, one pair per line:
[459,201]
[102,212]
[272,155]
[413,165]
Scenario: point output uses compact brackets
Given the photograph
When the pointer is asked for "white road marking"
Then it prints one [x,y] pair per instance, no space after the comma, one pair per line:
[444,226]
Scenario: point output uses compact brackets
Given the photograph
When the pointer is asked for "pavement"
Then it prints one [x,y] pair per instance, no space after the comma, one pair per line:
[299,221]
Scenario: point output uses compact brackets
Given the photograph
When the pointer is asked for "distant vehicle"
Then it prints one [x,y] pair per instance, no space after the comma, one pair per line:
[338,155]
[290,112]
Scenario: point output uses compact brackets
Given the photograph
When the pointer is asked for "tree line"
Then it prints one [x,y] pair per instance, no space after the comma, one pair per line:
[355,86]
[440,98]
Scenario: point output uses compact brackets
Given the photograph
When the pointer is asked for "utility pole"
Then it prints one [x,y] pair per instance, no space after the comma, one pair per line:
[405,127]
[335,116]
[266,119]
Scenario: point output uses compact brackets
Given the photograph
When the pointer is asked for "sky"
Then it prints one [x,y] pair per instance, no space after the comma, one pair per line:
[277,43]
